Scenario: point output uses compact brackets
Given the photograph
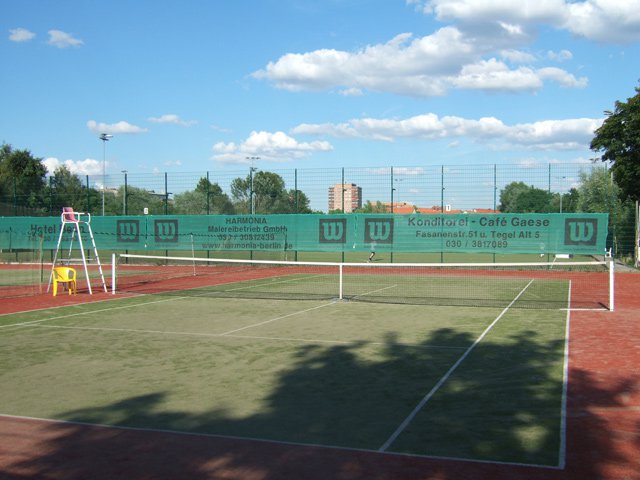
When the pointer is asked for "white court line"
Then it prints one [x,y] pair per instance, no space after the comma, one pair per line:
[446,376]
[347,342]
[269,441]
[565,387]
[250,337]
[277,318]
[35,322]
[265,283]
[374,291]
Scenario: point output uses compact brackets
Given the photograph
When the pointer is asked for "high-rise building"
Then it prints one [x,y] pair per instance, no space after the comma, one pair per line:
[349,192]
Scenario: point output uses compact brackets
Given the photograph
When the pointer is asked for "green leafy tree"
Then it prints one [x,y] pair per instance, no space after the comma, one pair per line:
[241,194]
[509,196]
[269,192]
[618,140]
[206,198]
[22,178]
[598,192]
[137,200]
[297,202]
[65,189]
[569,201]
[369,207]
[269,195]
[518,197]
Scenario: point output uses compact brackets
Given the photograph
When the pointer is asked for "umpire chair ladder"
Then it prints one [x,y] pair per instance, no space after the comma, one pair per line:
[76,219]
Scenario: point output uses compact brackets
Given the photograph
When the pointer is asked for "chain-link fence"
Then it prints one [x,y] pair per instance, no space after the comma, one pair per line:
[552,187]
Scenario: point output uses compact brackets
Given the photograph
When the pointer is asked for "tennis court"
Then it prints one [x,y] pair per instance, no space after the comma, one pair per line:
[436,379]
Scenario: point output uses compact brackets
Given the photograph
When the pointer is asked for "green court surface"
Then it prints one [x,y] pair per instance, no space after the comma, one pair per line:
[480,383]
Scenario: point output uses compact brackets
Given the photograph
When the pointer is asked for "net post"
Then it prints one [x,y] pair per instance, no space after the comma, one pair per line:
[611,282]
[193,255]
[340,281]
[113,273]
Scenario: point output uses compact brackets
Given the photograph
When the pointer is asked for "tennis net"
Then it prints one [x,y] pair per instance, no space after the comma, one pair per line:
[565,284]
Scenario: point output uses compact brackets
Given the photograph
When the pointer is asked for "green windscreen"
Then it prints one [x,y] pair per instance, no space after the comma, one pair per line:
[557,233]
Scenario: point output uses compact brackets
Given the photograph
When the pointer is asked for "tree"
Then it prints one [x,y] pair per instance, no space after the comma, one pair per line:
[206,198]
[66,190]
[297,202]
[509,196]
[22,177]
[518,197]
[137,200]
[569,201]
[369,207]
[269,195]
[598,192]
[618,138]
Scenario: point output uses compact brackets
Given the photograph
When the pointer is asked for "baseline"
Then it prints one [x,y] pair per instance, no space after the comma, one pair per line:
[125,428]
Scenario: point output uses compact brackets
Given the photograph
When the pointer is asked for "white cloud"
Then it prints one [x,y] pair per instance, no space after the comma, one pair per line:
[544,135]
[20,35]
[173,163]
[495,11]
[495,75]
[517,56]
[529,163]
[118,128]
[604,20]
[172,119]
[351,92]
[562,77]
[420,67]
[616,21]
[218,128]
[60,39]
[88,166]
[274,147]
[561,56]
[461,55]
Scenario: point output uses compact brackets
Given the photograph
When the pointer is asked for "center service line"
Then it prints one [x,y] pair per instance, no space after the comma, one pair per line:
[446,376]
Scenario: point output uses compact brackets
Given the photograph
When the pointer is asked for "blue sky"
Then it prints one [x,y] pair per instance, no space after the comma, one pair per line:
[200,85]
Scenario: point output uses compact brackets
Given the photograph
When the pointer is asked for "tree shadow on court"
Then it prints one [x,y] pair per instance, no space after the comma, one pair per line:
[500,405]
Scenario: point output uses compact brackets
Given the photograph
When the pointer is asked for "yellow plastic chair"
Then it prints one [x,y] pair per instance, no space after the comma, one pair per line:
[65,276]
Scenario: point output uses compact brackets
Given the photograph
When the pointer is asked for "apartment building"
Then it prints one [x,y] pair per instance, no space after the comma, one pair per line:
[350,193]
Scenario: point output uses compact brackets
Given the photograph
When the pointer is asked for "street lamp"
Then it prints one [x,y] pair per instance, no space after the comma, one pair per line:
[252,169]
[105,138]
[561,190]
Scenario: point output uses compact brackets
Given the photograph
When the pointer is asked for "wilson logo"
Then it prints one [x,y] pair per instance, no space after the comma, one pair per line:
[166,231]
[580,231]
[333,231]
[128,231]
[378,230]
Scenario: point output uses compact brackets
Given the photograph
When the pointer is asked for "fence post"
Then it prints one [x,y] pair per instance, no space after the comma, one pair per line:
[442,213]
[295,189]
[15,196]
[208,194]
[88,209]
[166,195]
[126,195]
[392,189]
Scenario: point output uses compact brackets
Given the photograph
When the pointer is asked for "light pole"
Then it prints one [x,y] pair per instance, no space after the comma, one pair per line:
[562,187]
[105,138]
[252,170]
